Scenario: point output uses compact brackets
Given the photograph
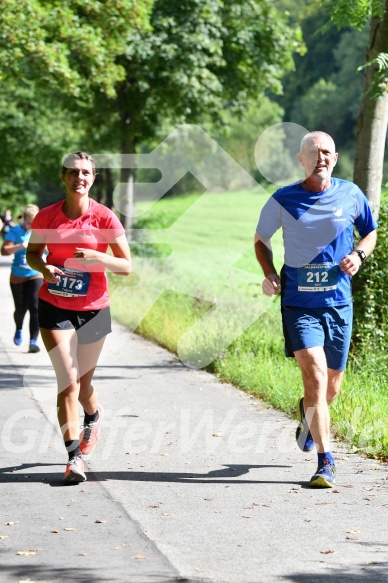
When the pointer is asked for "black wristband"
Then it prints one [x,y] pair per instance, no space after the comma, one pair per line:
[360,253]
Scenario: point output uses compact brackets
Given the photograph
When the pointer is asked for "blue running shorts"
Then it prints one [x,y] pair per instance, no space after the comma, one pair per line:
[329,327]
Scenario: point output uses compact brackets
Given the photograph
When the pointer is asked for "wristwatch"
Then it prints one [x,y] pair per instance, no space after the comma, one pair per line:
[360,253]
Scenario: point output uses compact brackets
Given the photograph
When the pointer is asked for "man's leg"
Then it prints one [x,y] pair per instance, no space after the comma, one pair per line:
[334,383]
[315,374]
[321,386]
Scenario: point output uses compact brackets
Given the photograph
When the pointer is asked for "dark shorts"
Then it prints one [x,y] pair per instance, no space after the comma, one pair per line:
[330,328]
[91,325]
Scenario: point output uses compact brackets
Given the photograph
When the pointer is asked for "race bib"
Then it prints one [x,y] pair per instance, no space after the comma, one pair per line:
[72,284]
[317,277]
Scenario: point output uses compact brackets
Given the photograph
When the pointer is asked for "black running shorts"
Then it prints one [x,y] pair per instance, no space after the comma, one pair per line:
[91,325]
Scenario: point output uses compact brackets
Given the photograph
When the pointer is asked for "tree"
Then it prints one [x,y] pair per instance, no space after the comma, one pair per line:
[72,44]
[331,102]
[373,116]
[53,56]
[198,57]
[240,133]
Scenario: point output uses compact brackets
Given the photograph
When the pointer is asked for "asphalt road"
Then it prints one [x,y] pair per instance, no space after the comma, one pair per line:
[193,480]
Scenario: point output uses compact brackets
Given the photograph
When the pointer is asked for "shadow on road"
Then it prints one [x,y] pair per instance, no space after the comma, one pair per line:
[372,573]
[228,474]
[84,575]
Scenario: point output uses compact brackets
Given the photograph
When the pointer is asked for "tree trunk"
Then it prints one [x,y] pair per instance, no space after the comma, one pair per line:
[109,187]
[372,120]
[98,186]
[127,177]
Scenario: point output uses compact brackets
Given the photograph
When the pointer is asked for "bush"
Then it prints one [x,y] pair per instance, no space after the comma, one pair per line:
[371,295]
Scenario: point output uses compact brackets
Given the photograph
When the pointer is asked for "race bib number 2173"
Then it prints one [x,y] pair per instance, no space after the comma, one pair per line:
[72,284]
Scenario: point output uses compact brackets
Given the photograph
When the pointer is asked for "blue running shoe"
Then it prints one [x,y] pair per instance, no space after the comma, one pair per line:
[324,476]
[18,338]
[33,346]
[304,439]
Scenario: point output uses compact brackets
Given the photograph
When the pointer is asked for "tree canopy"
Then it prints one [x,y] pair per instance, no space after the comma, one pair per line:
[53,56]
[372,120]
[73,44]
[107,75]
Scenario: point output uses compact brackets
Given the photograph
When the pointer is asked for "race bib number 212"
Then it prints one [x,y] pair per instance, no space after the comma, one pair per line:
[317,277]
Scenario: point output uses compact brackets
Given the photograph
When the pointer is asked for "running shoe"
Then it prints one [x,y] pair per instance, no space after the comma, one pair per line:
[90,434]
[304,439]
[33,346]
[75,471]
[18,338]
[324,476]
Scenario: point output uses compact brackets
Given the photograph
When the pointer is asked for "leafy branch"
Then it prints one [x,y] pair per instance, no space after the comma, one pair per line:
[379,82]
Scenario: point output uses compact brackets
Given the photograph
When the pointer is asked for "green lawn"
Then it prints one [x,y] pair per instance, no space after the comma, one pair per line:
[210,238]
[196,290]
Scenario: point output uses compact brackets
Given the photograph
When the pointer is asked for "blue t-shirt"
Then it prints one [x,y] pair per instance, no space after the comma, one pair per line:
[20,267]
[318,230]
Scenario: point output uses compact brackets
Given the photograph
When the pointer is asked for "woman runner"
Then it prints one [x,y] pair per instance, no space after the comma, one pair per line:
[24,281]
[74,315]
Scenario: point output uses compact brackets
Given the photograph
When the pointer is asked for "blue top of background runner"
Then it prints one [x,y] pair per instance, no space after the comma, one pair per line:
[20,267]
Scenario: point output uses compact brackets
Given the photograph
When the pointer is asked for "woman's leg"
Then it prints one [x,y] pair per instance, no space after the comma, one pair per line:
[61,346]
[87,356]
[32,287]
[20,302]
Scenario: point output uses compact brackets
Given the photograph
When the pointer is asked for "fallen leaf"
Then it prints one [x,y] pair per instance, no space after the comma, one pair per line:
[153,506]
[101,521]
[69,529]
[352,538]
[139,557]
[10,523]
[352,531]
[336,492]
[368,498]
[26,553]
[55,531]
[245,516]
[217,435]
[3,537]
[61,518]
[326,552]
